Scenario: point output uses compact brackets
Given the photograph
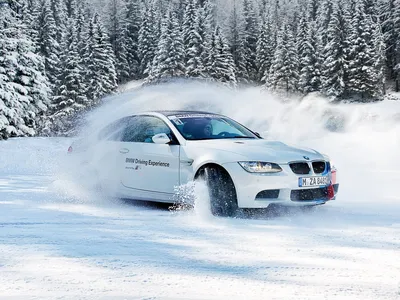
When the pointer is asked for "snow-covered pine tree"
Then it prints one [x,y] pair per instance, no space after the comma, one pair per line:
[23,86]
[301,34]
[180,8]
[265,8]
[70,98]
[265,48]
[277,11]
[351,6]
[122,65]
[204,2]
[380,64]
[59,10]
[222,67]
[362,71]
[108,60]
[206,19]
[396,44]
[335,53]
[283,75]
[323,17]
[294,14]
[93,58]
[47,43]
[309,67]
[225,60]
[237,43]
[169,59]
[160,9]
[276,17]
[250,31]
[118,37]
[371,9]
[71,9]
[81,24]
[29,12]
[192,40]
[101,76]
[387,12]
[148,37]
[312,9]
[133,20]
[211,9]
[116,12]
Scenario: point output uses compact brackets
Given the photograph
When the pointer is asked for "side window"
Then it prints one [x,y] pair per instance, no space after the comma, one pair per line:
[133,130]
[114,131]
[155,126]
[141,129]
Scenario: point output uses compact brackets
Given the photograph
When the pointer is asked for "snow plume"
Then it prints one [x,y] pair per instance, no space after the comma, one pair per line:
[195,196]
[360,138]
[292,120]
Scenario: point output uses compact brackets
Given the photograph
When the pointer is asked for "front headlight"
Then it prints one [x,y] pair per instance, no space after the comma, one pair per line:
[260,167]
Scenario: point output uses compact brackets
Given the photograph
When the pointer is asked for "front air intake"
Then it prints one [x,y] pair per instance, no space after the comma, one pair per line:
[268,194]
[310,194]
[319,167]
[301,168]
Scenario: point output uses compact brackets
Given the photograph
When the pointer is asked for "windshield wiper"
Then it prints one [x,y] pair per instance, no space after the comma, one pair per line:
[222,138]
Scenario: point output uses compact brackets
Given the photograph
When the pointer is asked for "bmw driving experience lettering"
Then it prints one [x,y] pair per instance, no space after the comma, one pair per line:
[158,164]
[147,162]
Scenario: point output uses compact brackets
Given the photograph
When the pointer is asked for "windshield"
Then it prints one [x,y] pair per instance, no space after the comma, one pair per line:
[209,127]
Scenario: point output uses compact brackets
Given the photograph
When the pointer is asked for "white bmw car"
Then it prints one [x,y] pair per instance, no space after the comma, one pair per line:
[154,152]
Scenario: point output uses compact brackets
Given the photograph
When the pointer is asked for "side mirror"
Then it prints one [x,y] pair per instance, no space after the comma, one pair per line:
[161,138]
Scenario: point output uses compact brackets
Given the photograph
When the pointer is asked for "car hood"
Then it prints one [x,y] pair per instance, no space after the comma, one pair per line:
[262,150]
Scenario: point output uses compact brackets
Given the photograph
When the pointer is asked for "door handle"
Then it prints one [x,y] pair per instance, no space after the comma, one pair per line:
[123,151]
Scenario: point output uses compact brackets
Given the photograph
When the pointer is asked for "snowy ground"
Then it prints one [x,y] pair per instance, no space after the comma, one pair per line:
[61,241]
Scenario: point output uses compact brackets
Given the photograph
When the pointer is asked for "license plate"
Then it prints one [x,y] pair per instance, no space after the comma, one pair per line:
[313,181]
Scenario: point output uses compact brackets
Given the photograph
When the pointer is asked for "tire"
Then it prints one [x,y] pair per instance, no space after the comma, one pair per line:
[222,192]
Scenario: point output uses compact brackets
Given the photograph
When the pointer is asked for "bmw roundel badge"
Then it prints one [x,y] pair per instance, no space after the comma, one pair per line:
[306,158]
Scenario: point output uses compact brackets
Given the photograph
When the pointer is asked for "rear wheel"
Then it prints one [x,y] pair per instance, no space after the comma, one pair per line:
[90,179]
[223,198]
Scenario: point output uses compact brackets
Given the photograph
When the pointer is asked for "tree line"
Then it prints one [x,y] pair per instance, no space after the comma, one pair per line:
[58,58]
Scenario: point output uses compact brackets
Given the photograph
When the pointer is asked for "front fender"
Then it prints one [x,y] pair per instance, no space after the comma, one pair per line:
[200,157]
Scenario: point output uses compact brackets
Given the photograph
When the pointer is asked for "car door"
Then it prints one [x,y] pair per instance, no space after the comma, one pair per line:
[149,170]
[103,156]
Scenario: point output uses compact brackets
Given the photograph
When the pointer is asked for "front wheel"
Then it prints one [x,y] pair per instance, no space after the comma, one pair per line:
[222,192]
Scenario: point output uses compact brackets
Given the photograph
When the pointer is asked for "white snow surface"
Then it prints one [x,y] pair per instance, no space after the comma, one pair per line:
[61,240]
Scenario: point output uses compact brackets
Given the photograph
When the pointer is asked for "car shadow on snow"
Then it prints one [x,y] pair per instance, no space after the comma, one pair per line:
[146,204]
[273,211]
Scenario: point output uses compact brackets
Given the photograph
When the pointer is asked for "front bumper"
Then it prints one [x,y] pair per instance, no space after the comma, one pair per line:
[261,190]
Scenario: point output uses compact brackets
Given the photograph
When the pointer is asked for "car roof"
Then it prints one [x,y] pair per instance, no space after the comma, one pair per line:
[168,113]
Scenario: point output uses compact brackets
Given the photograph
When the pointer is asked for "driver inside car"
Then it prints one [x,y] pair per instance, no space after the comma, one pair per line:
[208,130]
[199,129]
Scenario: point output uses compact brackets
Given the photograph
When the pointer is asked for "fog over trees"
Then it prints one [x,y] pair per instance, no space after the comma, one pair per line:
[58,58]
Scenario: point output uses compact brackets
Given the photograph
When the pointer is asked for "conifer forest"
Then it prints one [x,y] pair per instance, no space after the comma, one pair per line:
[59,58]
